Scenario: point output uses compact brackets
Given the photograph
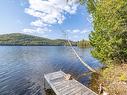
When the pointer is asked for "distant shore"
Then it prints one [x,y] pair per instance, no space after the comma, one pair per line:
[18,39]
[34,45]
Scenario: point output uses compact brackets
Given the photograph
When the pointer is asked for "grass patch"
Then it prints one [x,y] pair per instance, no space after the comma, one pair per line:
[113,78]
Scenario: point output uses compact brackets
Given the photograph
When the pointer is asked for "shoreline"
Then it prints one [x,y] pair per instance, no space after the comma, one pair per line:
[33,45]
[112,78]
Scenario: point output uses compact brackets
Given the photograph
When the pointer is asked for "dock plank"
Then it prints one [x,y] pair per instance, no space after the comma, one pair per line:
[61,86]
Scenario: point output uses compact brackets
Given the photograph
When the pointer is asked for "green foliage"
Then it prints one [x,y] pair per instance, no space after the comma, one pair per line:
[26,40]
[83,44]
[109,37]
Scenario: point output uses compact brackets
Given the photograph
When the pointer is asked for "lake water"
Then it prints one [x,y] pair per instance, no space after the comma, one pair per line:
[22,67]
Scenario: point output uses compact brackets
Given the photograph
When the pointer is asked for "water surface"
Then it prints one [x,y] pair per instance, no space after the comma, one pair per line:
[22,67]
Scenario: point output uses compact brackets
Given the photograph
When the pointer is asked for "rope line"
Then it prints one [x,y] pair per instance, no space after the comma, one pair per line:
[85,64]
[80,59]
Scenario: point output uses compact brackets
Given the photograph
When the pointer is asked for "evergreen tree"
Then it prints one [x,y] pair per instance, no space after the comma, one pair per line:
[109,37]
[83,44]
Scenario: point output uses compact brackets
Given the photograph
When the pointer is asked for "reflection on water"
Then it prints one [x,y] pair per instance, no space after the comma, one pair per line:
[22,67]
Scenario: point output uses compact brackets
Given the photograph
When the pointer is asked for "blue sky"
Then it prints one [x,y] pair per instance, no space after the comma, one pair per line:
[45,18]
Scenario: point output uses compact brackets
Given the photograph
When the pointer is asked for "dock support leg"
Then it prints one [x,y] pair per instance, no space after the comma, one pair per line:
[44,84]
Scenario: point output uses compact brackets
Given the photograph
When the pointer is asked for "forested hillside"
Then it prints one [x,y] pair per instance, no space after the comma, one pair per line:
[24,39]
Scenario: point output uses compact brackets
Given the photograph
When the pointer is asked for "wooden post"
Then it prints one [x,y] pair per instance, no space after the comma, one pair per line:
[102,90]
[44,83]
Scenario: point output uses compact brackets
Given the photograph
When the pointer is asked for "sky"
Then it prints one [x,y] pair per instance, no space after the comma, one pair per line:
[52,19]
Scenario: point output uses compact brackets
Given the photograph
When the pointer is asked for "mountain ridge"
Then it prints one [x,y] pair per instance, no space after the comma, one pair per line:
[15,39]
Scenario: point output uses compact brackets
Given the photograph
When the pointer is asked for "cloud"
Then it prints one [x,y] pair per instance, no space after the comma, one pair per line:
[85,31]
[28,30]
[76,31]
[36,30]
[78,34]
[38,23]
[50,12]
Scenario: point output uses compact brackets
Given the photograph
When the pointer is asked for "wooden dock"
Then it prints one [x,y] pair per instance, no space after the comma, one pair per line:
[62,86]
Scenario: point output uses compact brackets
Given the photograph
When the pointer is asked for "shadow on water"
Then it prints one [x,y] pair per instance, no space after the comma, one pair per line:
[22,67]
[49,92]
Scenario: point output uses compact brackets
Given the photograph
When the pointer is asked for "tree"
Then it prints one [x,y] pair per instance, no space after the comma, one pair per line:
[109,37]
[83,44]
